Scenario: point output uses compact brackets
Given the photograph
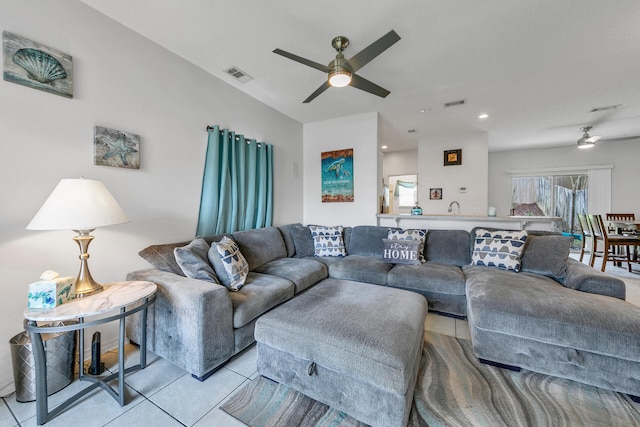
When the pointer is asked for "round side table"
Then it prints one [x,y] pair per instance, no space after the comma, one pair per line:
[116,302]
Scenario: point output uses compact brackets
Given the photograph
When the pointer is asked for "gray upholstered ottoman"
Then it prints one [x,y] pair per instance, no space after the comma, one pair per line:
[353,346]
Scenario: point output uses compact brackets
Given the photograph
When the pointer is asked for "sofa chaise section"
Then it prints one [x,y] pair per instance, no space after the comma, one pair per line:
[528,321]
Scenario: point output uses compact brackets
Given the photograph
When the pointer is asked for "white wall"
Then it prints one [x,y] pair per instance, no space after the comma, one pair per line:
[359,132]
[472,174]
[122,81]
[622,155]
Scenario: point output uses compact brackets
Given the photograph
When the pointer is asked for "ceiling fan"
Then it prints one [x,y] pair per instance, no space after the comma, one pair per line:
[588,141]
[342,72]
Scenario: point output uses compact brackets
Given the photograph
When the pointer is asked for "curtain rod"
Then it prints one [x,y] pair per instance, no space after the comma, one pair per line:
[237,136]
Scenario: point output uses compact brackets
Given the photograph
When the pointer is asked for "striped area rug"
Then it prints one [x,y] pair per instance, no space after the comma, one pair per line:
[453,389]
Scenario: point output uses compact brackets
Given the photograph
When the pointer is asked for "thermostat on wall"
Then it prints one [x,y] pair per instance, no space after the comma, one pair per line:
[463,189]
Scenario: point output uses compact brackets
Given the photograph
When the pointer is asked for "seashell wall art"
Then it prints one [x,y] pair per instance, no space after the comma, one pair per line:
[32,64]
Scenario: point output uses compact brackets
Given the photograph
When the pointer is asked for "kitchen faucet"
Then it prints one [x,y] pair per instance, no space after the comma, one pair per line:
[457,211]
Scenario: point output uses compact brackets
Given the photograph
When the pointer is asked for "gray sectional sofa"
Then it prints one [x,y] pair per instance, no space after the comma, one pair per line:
[555,316]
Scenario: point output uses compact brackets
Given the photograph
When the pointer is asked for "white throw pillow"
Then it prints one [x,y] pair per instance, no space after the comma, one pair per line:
[327,241]
[230,265]
[502,249]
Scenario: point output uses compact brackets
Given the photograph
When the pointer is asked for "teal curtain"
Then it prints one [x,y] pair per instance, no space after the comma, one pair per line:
[237,185]
[405,184]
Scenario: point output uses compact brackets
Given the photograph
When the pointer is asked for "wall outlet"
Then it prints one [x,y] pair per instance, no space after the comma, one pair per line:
[476,210]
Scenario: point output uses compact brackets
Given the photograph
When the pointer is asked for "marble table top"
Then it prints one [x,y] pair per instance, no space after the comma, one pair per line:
[114,296]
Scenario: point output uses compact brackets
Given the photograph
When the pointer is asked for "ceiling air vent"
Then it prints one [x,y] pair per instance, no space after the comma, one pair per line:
[238,74]
[455,103]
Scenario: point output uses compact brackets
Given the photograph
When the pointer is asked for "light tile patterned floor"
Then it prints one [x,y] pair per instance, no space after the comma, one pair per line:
[163,395]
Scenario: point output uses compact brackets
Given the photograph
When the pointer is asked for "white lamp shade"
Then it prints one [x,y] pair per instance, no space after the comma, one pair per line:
[78,204]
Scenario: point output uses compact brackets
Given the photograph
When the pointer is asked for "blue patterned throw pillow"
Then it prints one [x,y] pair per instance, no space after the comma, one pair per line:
[230,265]
[327,241]
[502,249]
[417,235]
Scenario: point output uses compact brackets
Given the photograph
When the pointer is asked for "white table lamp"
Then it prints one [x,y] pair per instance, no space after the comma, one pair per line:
[81,205]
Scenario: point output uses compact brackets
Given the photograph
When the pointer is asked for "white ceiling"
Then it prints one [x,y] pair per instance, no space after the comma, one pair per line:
[537,68]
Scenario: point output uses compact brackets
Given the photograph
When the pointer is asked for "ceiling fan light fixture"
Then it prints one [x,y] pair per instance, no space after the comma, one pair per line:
[339,77]
[586,143]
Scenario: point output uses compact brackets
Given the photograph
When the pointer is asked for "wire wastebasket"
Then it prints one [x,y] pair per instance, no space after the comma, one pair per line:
[60,349]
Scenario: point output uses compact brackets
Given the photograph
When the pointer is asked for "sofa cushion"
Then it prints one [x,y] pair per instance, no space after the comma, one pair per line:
[411,234]
[285,230]
[448,247]
[360,268]
[194,262]
[367,240]
[260,294]
[501,249]
[547,255]
[260,245]
[229,263]
[302,272]
[430,276]
[327,241]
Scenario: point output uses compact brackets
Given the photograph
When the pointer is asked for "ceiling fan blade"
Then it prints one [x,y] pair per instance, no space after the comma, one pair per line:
[367,86]
[620,139]
[302,60]
[318,91]
[363,57]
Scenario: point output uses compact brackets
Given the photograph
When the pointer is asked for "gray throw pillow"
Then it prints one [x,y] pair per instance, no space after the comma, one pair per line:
[194,261]
[162,257]
[547,255]
[401,251]
[302,240]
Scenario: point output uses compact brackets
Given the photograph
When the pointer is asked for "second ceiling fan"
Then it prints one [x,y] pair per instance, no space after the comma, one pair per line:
[342,72]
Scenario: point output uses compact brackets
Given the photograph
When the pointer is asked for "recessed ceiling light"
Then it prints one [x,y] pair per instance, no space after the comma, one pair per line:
[384,147]
[483,116]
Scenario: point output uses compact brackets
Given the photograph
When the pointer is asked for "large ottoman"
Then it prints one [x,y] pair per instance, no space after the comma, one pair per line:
[353,346]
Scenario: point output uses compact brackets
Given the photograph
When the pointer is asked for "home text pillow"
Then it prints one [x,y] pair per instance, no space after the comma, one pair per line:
[501,249]
[401,251]
[229,264]
[327,241]
[547,255]
[194,262]
[417,235]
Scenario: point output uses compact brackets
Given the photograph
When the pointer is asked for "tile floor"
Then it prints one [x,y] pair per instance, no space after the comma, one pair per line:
[163,395]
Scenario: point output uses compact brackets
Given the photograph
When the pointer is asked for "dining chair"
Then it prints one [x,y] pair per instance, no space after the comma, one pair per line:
[600,234]
[617,230]
[585,234]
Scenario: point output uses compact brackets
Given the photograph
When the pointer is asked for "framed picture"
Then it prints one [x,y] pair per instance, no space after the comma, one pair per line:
[37,66]
[435,194]
[453,157]
[337,175]
[116,148]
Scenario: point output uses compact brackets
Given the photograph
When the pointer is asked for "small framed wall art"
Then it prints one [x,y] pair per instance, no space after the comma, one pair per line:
[116,148]
[37,66]
[435,194]
[453,157]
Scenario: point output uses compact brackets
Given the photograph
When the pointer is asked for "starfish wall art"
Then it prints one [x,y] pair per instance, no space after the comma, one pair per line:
[116,148]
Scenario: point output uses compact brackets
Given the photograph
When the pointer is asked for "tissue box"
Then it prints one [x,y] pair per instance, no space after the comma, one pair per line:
[51,293]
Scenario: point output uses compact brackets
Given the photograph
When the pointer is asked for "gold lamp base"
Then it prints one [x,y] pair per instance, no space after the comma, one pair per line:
[85,285]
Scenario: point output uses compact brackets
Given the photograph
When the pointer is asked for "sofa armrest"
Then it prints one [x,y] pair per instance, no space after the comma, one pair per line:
[190,324]
[582,277]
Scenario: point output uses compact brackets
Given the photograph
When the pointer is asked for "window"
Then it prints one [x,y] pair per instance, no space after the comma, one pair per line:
[564,196]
